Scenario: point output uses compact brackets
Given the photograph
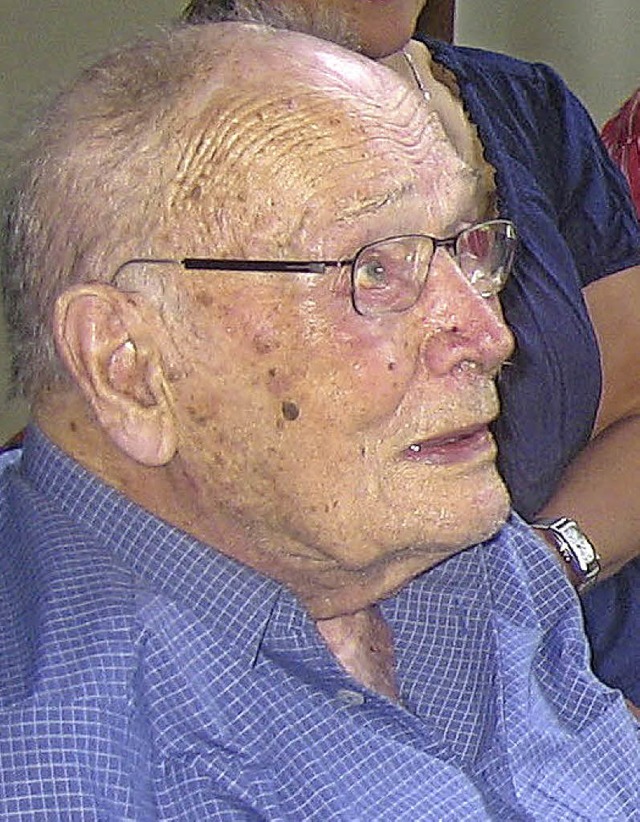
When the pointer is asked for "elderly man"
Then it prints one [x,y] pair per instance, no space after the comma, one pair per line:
[252,286]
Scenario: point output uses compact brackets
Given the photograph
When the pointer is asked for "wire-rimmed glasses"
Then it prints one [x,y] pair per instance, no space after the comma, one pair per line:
[387,276]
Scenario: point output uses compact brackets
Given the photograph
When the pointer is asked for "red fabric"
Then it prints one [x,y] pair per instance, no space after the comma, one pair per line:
[621,135]
[14,442]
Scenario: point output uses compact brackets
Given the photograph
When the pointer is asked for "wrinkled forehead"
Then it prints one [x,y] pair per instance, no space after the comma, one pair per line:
[328,129]
[285,72]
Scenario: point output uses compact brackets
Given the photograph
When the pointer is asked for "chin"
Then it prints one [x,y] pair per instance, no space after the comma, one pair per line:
[493,508]
[378,47]
[476,515]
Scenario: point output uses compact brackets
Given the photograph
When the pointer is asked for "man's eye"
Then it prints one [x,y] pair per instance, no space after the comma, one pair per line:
[373,274]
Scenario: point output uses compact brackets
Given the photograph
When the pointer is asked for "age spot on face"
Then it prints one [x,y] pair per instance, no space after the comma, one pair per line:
[290,411]
[263,345]
[199,416]
[204,298]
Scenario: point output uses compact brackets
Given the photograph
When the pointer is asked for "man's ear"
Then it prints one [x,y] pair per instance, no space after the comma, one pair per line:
[114,359]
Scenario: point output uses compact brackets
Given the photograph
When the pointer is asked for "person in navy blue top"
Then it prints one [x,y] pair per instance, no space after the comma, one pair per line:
[256,557]
[569,431]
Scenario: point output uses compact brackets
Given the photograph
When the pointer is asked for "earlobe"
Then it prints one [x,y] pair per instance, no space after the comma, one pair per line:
[114,358]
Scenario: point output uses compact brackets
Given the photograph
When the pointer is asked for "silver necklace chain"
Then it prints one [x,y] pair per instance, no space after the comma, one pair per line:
[416,75]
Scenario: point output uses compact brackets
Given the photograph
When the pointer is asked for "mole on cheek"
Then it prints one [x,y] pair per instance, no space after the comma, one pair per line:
[290,410]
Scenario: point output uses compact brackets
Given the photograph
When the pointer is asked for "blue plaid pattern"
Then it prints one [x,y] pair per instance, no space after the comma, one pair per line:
[144,676]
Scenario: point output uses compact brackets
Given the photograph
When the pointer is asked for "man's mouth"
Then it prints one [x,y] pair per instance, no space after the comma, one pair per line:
[457,446]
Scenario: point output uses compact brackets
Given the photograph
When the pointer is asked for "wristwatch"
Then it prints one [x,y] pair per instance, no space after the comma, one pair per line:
[575,548]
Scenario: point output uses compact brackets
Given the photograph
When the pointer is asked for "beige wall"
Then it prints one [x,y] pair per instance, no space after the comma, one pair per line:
[595,44]
[42,44]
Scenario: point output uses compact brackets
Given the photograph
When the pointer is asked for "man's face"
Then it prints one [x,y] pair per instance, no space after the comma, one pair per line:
[337,442]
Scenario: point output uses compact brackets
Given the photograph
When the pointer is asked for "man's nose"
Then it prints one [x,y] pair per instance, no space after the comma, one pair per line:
[458,323]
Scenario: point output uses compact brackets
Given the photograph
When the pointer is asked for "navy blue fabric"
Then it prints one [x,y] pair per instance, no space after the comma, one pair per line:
[577,223]
[612,621]
[146,676]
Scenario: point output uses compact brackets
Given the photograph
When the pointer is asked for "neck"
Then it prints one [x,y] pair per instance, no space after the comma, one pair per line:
[342,601]
[403,63]
[439,90]
[363,644]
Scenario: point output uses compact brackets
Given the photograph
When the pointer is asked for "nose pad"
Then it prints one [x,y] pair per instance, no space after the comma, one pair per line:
[459,324]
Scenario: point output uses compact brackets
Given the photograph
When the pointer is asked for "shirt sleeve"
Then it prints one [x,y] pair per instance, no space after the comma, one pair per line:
[595,212]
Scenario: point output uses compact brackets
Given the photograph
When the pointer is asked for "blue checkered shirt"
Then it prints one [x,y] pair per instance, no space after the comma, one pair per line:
[145,676]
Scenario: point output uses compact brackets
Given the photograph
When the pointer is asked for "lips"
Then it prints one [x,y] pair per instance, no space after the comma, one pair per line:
[457,446]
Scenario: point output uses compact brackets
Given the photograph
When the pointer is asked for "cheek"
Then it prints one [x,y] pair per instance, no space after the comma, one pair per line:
[371,359]
[305,353]
[329,378]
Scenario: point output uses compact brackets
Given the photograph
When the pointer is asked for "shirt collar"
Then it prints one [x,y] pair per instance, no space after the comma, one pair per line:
[169,562]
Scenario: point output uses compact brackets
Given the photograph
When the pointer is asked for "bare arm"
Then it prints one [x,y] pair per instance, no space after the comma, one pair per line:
[599,489]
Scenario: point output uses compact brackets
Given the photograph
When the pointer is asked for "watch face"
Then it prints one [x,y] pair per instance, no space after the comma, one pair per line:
[582,548]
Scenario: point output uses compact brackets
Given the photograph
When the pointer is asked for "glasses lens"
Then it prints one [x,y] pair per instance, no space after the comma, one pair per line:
[388,276]
[485,254]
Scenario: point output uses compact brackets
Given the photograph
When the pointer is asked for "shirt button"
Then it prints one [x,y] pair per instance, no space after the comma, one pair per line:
[350,698]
